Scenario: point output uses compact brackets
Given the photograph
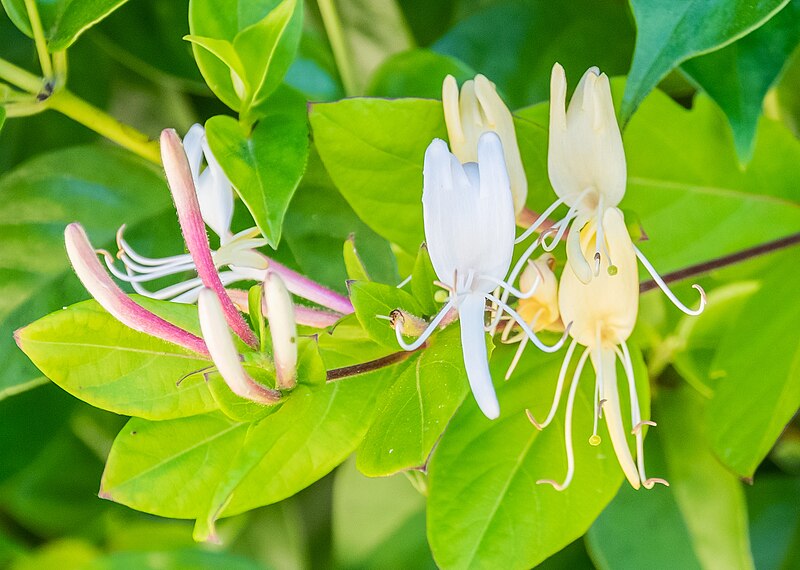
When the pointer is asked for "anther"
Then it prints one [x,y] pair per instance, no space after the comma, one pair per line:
[612,269]
[638,427]
[595,440]
[531,419]
[651,482]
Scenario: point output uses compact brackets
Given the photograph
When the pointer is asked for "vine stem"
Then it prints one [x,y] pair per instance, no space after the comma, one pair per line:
[19,77]
[104,124]
[333,27]
[38,37]
[724,261]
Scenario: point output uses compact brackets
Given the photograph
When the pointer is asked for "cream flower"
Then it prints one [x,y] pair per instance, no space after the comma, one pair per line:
[475,110]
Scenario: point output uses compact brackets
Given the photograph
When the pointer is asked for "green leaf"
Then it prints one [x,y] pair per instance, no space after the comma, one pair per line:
[669,33]
[372,31]
[745,417]
[2,117]
[313,432]
[170,468]
[62,20]
[422,283]
[378,519]
[94,357]
[265,166]
[352,262]
[373,150]
[484,507]
[416,73]
[172,560]
[47,193]
[373,302]
[317,222]
[416,409]
[738,77]
[774,506]
[262,35]
[710,498]
[535,34]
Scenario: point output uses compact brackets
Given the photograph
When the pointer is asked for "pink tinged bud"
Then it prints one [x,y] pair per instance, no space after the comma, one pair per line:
[224,354]
[281,318]
[100,285]
[179,176]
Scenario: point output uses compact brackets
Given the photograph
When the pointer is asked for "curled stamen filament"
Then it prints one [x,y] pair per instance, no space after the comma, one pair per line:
[513,277]
[539,221]
[524,326]
[568,428]
[398,329]
[521,348]
[667,291]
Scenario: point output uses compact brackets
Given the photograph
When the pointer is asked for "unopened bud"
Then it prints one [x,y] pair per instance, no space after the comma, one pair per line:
[410,325]
[283,330]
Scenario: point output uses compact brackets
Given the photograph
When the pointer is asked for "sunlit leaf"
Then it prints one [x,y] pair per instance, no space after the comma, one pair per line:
[91,355]
[373,150]
[265,165]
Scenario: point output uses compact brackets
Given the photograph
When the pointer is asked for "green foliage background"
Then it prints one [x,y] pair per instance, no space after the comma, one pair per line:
[320,113]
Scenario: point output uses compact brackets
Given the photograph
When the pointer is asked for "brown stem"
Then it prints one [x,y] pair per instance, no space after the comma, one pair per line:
[723,261]
[335,374]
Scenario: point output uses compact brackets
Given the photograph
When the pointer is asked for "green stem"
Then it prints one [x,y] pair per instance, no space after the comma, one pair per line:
[19,77]
[102,123]
[39,39]
[333,27]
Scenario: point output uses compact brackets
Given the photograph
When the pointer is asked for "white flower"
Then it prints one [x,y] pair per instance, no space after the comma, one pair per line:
[469,229]
[476,110]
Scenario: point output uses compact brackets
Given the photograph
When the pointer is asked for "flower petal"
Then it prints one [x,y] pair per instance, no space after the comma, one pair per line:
[100,285]
[476,360]
[282,328]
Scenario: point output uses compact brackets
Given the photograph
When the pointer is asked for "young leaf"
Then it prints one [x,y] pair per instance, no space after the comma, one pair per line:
[62,20]
[374,302]
[416,409]
[263,34]
[416,73]
[373,150]
[94,357]
[266,165]
[738,77]
[422,283]
[352,262]
[669,33]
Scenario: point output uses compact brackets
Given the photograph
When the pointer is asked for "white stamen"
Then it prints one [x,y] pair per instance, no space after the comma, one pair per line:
[521,347]
[398,329]
[512,277]
[670,295]
[513,290]
[404,282]
[562,375]
[524,326]
[568,427]
[539,221]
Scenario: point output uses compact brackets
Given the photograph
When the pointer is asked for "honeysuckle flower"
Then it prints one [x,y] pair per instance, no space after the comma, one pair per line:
[218,314]
[238,257]
[224,354]
[475,110]
[468,215]
[603,314]
[585,162]
[283,330]
[540,310]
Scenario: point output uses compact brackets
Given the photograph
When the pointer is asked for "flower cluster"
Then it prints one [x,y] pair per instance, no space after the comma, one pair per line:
[206,199]
[470,199]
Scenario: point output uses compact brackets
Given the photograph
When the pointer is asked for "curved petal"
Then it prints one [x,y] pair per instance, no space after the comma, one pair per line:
[476,360]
